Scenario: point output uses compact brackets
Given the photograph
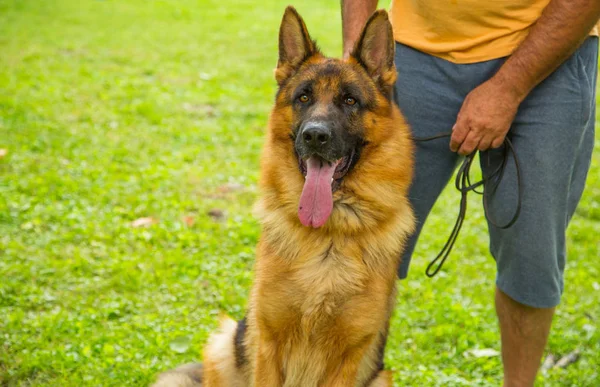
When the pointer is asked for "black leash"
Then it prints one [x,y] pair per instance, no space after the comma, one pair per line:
[463,184]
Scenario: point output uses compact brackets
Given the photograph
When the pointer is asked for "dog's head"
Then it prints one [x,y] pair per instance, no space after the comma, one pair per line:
[333,121]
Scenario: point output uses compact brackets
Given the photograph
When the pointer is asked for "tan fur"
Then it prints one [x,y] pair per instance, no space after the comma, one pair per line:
[322,298]
[187,375]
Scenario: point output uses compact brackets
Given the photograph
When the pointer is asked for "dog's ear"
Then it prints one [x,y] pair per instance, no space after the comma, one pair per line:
[374,50]
[295,45]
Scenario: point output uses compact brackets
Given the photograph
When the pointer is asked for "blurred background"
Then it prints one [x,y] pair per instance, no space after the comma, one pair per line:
[130,133]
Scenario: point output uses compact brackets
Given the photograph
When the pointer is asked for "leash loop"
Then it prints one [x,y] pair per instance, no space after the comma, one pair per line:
[463,184]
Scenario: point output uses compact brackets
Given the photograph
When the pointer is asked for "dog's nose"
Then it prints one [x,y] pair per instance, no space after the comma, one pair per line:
[316,136]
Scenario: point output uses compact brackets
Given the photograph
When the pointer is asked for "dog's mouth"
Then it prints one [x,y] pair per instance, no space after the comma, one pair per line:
[342,168]
[322,178]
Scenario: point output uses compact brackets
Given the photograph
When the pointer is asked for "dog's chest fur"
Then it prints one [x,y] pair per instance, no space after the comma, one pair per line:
[324,281]
[336,304]
[320,297]
[324,284]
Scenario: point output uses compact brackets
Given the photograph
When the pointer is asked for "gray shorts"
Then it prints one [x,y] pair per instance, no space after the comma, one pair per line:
[553,136]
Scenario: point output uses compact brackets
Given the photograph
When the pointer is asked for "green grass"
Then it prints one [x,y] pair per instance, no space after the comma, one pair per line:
[111,111]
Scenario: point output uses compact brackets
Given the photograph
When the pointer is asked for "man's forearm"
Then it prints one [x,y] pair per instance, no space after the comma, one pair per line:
[563,26]
[355,14]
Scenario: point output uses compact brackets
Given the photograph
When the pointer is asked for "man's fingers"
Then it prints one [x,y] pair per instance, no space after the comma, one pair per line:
[497,143]
[469,145]
[459,133]
[485,143]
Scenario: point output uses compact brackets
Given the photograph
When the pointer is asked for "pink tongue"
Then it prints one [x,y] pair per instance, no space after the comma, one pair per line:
[316,201]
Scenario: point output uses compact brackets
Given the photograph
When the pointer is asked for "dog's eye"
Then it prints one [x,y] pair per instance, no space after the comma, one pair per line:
[349,101]
[303,98]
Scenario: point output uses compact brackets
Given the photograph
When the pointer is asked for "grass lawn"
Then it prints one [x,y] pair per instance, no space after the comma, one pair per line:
[112,111]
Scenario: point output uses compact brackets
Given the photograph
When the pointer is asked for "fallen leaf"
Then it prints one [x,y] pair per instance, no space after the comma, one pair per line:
[548,362]
[568,359]
[27,226]
[216,214]
[3,152]
[231,187]
[180,344]
[485,352]
[143,222]
[189,220]
[207,110]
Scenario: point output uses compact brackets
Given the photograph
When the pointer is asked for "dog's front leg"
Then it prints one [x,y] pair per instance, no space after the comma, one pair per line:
[346,374]
[268,365]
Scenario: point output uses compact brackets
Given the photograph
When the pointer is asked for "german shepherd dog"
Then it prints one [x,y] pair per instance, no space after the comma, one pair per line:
[335,170]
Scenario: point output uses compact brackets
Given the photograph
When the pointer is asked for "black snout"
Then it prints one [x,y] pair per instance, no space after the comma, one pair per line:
[316,136]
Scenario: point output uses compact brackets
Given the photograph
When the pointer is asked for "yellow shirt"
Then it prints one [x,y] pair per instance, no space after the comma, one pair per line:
[465,31]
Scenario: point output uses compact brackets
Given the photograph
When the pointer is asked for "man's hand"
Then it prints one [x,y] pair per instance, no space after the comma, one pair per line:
[484,118]
[488,111]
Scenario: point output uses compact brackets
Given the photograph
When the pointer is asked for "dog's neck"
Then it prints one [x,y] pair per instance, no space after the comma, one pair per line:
[339,237]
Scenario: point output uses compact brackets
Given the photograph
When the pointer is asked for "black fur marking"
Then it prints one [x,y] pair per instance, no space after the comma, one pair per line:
[380,353]
[327,252]
[357,92]
[330,69]
[238,341]
[305,87]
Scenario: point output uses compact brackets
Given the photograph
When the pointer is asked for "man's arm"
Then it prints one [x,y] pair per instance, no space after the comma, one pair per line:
[488,111]
[355,14]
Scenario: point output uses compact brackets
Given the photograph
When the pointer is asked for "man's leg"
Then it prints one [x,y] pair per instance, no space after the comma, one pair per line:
[430,102]
[524,332]
[553,136]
